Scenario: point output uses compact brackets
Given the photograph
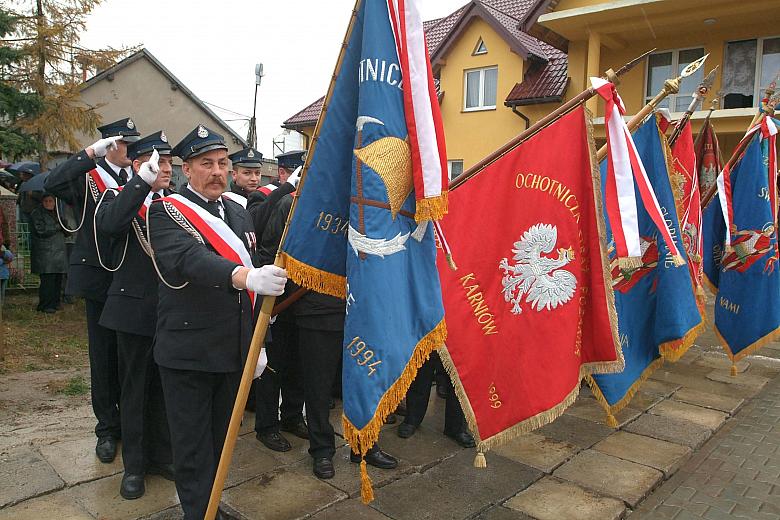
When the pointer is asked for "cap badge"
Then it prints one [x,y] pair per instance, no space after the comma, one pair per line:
[163,137]
[251,154]
[130,124]
[202,132]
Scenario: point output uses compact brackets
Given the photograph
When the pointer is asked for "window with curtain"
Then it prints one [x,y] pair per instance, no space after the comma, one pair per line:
[668,64]
[481,86]
[748,68]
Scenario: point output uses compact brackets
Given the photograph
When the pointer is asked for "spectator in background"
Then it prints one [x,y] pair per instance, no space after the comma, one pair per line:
[6,257]
[48,253]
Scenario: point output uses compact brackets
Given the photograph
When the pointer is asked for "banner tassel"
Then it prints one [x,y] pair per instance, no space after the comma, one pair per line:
[451,262]
[480,461]
[612,421]
[733,370]
[678,260]
[366,489]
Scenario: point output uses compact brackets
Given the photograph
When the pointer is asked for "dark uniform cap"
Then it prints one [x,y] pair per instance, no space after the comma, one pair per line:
[157,141]
[124,127]
[291,160]
[248,158]
[199,141]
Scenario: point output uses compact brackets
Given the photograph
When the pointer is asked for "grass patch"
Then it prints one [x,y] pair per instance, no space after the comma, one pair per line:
[75,386]
[36,341]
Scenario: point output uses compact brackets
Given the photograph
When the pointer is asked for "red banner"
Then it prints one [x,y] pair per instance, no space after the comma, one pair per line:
[687,196]
[529,309]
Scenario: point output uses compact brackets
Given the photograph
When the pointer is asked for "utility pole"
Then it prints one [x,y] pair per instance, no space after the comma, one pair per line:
[252,136]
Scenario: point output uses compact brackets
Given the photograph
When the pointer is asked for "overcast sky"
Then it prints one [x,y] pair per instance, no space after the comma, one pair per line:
[212,47]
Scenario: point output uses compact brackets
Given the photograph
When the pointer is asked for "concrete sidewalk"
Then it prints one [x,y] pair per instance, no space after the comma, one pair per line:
[573,468]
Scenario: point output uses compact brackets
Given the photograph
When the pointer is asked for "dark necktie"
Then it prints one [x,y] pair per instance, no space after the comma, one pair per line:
[214,208]
[122,177]
[155,196]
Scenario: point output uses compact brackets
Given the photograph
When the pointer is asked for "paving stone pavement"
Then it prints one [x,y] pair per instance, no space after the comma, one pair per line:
[735,475]
[695,442]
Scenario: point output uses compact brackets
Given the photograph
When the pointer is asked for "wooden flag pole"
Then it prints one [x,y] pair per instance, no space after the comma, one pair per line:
[543,123]
[261,327]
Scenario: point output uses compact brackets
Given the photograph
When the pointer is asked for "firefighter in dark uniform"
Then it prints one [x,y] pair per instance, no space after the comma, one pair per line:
[247,170]
[86,277]
[319,320]
[283,360]
[131,310]
[204,316]
[263,202]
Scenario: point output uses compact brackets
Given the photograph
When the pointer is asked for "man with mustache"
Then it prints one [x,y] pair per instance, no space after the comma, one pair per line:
[203,244]
[131,310]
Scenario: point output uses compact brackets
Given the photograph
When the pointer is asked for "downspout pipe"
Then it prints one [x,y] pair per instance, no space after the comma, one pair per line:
[522,116]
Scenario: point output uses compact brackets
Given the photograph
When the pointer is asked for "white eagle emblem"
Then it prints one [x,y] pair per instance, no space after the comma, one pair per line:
[251,154]
[202,132]
[540,279]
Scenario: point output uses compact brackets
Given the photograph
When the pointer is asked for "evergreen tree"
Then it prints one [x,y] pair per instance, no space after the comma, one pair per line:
[15,106]
[48,33]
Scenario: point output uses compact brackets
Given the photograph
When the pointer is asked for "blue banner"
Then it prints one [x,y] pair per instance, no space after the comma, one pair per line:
[747,306]
[353,233]
[656,304]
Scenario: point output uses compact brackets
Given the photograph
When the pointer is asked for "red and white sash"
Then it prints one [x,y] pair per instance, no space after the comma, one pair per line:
[100,181]
[235,197]
[769,131]
[624,168]
[267,189]
[215,230]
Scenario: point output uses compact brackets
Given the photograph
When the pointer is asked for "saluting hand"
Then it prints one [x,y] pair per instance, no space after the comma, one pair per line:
[295,177]
[101,147]
[150,169]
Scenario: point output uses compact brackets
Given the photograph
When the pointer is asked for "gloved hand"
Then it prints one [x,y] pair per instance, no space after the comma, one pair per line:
[295,176]
[268,280]
[102,146]
[150,169]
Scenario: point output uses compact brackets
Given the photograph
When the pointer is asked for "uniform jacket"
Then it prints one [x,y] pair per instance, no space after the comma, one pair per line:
[131,305]
[86,278]
[261,206]
[207,325]
[48,243]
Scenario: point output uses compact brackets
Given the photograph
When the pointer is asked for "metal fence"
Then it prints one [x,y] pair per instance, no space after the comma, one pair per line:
[21,277]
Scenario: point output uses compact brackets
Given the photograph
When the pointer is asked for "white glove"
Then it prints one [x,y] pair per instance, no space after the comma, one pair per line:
[295,177]
[268,280]
[150,169]
[102,146]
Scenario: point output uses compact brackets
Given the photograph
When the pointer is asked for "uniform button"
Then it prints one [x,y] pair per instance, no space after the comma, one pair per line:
[121,290]
[83,259]
[186,322]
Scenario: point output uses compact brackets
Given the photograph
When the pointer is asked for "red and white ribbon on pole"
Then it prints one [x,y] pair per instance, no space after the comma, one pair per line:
[768,130]
[625,172]
[421,107]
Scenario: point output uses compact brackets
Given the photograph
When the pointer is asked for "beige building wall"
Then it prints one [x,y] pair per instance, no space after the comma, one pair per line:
[141,91]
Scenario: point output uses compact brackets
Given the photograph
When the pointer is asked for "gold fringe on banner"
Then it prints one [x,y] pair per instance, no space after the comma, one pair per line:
[675,349]
[315,279]
[433,208]
[614,409]
[772,336]
[678,260]
[626,263]
[360,441]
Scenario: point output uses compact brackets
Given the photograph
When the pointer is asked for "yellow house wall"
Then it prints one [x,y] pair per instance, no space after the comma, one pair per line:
[473,135]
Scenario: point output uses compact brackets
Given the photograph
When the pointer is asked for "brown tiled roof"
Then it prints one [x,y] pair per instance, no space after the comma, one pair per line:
[306,117]
[543,81]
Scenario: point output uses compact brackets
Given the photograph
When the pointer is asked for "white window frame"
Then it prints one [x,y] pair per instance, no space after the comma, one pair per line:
[675,68]
[477,52]
[481,105]
[449,167]
[757,94]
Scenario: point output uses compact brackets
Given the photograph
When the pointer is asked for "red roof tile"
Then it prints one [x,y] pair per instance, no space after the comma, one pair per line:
[306,117]
[544,81]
